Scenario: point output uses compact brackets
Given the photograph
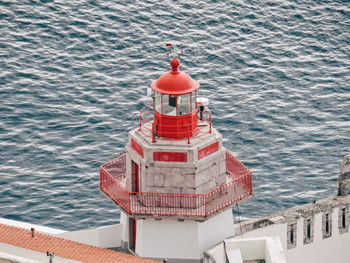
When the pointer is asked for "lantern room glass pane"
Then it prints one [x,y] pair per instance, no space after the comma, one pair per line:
[175,105]
[158,102]
[184,104]
[169,105]
[193,101]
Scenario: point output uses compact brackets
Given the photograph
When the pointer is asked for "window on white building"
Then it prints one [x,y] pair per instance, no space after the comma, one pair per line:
[308,230]
[343,220]
[327,224]
[291,234]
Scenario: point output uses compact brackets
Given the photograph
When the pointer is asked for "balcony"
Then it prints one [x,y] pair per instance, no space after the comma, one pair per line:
[113,184]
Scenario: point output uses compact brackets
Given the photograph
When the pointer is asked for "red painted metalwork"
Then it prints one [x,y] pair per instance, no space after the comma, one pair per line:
[176,127]
[112,183]
[149,128]
[175,82]
[135,177]
[212,148]
[170,156]
[112,175]
[137,147]
[171,120]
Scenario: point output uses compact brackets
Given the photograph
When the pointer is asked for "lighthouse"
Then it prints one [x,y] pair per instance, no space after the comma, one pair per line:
[175,184]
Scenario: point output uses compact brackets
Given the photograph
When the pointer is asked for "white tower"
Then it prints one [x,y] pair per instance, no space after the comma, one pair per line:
[176,183]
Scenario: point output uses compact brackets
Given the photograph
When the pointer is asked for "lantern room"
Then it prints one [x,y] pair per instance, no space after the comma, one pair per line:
[175,104]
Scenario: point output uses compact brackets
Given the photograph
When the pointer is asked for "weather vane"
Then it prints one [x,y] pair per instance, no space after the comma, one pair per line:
[174,50]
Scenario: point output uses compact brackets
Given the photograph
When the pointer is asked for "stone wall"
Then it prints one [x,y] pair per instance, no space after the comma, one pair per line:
[192,176]
[344,177]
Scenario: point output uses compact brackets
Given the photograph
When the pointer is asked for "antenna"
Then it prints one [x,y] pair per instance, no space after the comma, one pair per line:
[174,50]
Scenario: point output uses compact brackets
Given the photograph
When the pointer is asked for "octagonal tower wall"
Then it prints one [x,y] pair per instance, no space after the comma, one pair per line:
[195,168]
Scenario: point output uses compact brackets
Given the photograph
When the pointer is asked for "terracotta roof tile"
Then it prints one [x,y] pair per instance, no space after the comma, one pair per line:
[62,247]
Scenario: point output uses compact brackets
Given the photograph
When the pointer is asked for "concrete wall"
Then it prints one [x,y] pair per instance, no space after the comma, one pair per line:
[243,250]
[9,258]
[181,241]
[216,229]
[105,237]
[194,176]
[267,248]
[43,229]
[320,232]
[334,248]
[11,254]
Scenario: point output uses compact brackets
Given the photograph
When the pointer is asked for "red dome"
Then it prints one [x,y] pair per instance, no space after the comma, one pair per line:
[175,82]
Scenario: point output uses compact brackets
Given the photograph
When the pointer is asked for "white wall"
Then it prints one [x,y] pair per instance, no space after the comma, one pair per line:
[105,237]
[167,238]
[28,226]
[125,230]
[268,248]
[27,256]
[171,239]
[334,249]
[244,249]
[215,229]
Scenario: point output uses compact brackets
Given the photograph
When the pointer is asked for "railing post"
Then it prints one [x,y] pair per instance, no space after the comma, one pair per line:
[101,178]
[140,121]
[189,134]
[210,123]
[153,133]
[130,206]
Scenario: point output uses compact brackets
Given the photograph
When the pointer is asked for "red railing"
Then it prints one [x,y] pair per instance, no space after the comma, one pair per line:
[146,123]
[170,204]
[112,175]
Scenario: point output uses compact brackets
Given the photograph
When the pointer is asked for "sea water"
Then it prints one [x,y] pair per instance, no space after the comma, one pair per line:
[74,76]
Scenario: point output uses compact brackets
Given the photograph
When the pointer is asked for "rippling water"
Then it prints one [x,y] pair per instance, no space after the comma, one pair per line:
[73,77]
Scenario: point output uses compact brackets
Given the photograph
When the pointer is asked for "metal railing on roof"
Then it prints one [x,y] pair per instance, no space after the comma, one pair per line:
[112,183]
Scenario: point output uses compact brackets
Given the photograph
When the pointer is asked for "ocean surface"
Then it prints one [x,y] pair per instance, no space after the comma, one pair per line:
[73,77]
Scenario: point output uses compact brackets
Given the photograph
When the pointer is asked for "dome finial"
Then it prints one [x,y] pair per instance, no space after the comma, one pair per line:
[175,63]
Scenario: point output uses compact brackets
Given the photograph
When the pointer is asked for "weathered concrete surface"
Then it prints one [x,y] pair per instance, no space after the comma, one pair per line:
[326,244]
[252,250]
[290,215]
[191,177]
[344,177]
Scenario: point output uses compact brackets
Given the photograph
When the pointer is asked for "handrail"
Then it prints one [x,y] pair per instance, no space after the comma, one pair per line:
[174,204]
